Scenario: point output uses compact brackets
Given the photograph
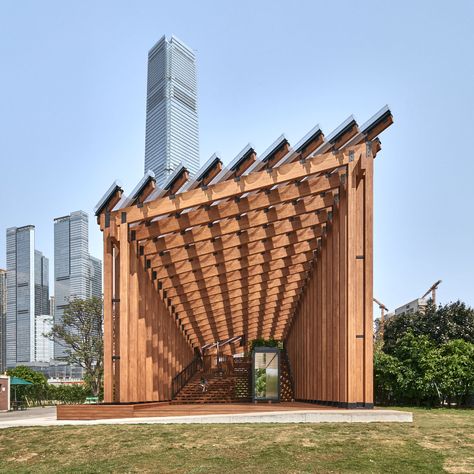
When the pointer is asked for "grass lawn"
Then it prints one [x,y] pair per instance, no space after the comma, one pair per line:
[438,441]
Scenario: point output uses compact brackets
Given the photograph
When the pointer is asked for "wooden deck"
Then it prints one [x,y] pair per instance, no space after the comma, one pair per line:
[159,409]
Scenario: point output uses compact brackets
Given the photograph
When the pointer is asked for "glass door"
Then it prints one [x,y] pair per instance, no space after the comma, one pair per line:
[266,374]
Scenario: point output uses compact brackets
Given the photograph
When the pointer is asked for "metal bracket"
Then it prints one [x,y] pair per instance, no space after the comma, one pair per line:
[351,155]
[368,148]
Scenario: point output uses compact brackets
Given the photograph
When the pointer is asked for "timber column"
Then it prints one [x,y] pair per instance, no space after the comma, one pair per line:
[359,245]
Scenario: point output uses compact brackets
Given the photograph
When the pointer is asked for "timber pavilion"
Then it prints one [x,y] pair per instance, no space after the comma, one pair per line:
[272,246]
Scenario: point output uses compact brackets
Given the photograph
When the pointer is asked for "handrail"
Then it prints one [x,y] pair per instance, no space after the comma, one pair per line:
[180,380]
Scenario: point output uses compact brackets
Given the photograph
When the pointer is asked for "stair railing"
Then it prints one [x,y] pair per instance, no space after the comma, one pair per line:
[180,380]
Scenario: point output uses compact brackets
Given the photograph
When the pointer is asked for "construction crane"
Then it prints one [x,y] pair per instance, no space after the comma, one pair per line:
[432,290]
[383,308]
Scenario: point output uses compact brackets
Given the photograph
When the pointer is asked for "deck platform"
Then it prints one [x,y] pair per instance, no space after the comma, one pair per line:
[291,412]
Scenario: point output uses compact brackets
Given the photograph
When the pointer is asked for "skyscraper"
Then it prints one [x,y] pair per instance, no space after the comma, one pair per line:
[3,318]
[172,135]
[76,273]
[44,347]
[95,277]
[27,294]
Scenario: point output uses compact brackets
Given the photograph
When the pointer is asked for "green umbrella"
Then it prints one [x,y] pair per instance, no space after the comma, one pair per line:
[18,381]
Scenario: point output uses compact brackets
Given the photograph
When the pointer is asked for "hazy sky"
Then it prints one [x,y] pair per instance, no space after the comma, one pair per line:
[72,110]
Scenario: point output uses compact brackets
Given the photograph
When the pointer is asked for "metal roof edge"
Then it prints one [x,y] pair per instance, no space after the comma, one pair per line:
[106,197]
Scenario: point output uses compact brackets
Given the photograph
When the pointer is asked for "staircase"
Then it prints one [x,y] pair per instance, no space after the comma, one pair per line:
[233,388]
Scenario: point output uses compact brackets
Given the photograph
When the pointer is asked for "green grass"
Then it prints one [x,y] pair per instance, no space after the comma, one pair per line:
[438,441]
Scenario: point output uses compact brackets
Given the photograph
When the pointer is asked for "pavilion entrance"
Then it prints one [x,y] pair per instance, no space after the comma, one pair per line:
[266,374]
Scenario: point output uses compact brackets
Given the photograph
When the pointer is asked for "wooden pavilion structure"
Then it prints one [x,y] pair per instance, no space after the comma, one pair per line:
[277,245]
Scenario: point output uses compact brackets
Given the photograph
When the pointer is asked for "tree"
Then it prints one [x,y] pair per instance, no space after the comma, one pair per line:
[28,392]
[419,363]
[387,371]
[441,324]
[80,333]
[28,374]
[456,371]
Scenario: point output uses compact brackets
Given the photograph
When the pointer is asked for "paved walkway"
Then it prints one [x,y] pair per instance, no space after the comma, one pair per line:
[47,417]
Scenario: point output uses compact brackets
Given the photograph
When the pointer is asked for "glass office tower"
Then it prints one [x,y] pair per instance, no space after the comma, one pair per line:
[76,273]
[3,319]
[171,114]
[27,294]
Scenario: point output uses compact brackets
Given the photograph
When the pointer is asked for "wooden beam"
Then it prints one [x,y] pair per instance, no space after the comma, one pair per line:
[245,184]
[245,251]
[258,264]
[176,247]
[237,295]
[238,279]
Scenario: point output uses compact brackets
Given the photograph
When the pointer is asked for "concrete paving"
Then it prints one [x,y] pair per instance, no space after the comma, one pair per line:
[47,417]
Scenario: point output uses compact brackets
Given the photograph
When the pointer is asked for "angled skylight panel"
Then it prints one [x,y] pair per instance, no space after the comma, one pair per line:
[213,161]
[263,158]
[230,169]
[116,185]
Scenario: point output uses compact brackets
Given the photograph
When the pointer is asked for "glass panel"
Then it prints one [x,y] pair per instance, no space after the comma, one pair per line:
[266,375]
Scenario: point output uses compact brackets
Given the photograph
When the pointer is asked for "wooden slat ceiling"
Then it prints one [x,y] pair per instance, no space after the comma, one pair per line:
[230,251]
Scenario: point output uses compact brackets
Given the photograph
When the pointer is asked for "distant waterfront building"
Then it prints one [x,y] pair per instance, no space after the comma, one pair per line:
[172,135]
[44,347]
[52,306]
[95,277]
[76,273]
[41,284]
[3,318]
[27,294]
[415,306]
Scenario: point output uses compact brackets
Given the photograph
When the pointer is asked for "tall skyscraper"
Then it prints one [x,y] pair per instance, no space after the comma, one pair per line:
[44,347]
[41,284]
[3,319]
[172,135]
[76,273]
[95,277]
[27,294]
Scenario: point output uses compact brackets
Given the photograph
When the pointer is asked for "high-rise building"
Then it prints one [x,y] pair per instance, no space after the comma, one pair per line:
[44,346]
[3,318]
[41,284]
[27,294]
[52,306]
[76,273]
[172,135]
[95,277]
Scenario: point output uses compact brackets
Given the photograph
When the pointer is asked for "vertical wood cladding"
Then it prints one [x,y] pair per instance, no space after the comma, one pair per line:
[148,348]
[329,342]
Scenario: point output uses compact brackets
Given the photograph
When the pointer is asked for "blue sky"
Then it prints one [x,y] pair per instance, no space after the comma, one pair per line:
[72,110]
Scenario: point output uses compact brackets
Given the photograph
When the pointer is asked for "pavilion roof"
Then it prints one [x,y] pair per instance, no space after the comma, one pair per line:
[231,249]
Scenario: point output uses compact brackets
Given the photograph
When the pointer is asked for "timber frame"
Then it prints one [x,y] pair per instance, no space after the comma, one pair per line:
[278,246]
